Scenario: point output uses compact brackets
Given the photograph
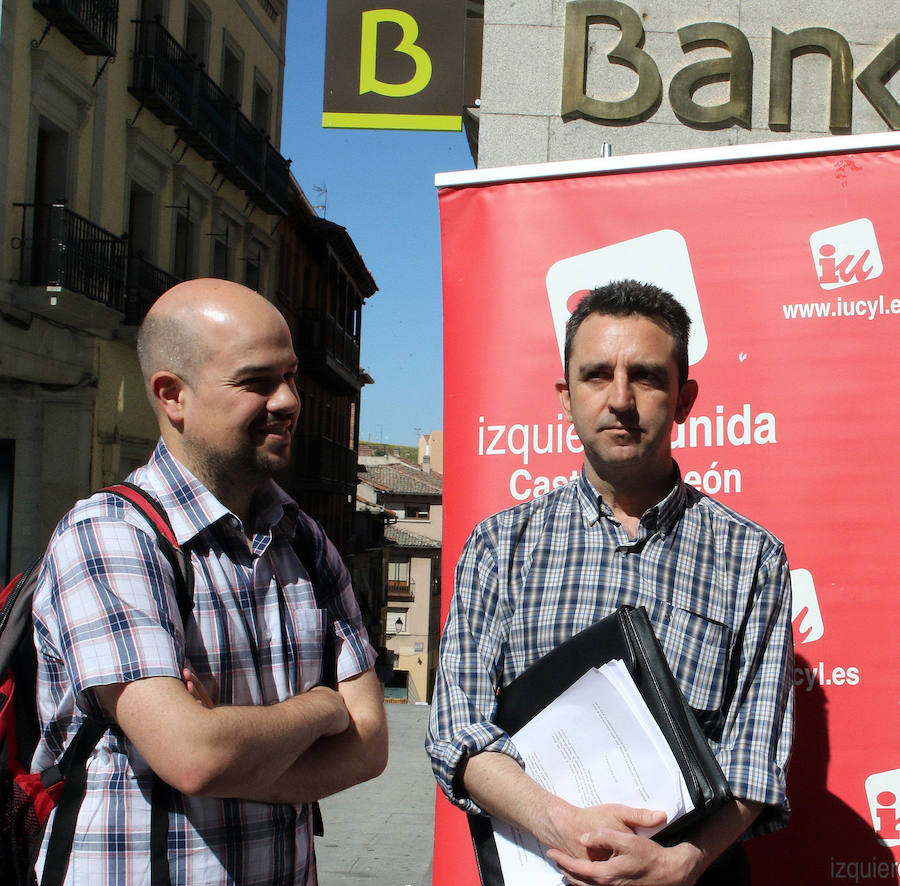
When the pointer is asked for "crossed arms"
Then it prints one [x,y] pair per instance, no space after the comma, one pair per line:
[295,751]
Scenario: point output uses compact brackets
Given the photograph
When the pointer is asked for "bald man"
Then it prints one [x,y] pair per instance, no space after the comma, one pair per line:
[265,740]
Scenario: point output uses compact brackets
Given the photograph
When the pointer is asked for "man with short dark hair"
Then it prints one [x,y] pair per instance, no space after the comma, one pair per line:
[266,739]
[627,531]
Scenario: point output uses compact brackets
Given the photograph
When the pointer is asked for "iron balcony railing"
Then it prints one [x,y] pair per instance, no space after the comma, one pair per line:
[92,25]
[163,75]
[173,85]
[144,284]
[60,248]
[322,463]
[400,590]
[322,336]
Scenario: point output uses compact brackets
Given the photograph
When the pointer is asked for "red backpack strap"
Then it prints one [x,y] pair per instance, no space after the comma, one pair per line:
[178,558]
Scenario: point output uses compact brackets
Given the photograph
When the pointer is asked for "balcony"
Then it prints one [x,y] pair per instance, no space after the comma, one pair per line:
[320,463]
[62,250]
[144,284]
[327,350]
[175,87]
[401,590]
[92,25]
[78,273]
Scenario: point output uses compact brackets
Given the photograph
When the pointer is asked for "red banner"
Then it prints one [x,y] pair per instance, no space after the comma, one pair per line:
[789,264]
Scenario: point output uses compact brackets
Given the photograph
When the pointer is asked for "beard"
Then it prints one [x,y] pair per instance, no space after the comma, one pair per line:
[246,464]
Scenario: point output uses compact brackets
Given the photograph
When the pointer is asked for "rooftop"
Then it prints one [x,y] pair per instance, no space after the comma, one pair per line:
[406,539]
[403,479]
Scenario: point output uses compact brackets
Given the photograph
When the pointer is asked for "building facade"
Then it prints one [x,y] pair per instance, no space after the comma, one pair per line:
[138,147]
[411,499]
[321,286]
[561,80]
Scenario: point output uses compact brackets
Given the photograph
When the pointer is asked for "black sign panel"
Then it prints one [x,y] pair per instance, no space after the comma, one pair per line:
[394,65]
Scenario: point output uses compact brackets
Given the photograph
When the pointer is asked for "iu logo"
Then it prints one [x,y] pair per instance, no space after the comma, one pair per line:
[883,793]
[668,266]
[805,612]
[846,254]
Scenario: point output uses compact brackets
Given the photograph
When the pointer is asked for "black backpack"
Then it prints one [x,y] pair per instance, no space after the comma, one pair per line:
[26,799]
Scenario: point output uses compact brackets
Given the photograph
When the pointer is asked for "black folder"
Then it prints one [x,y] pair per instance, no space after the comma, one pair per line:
[625,634]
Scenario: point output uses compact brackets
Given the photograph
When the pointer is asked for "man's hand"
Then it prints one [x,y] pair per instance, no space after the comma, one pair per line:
[340,716]
[612,857]
[201,694]
[570,825]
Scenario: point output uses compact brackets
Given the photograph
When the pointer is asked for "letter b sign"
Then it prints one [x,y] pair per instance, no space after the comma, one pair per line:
[394,65]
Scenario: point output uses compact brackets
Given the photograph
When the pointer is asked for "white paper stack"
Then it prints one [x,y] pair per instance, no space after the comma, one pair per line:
[596,743]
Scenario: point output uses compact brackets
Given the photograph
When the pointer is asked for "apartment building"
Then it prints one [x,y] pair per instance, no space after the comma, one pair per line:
[412,503]
[138,147]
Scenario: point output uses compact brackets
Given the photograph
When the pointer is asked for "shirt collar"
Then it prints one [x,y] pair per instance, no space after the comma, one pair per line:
[191,507]
[665,514]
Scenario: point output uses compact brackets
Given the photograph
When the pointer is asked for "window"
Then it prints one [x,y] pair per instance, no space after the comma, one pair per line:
[255,267]
[140,222]
[50,186]
[252,274]
[221,259]
[416,512]
[261,113]
[184,265]
[153,9]
[52,163]
[196,33]
[398,572]
[232,71]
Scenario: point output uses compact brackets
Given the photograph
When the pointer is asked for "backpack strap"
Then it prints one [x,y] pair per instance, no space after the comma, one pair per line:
[72,770]
[161,794]
[179,559]
[305,549]
[72,764]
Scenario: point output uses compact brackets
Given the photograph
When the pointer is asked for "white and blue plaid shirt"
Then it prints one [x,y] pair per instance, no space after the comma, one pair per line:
[105,612]
[717,590]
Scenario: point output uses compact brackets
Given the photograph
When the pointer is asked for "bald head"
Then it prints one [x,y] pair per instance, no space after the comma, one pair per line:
[191,321]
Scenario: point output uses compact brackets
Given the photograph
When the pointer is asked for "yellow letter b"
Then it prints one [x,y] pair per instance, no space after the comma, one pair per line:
[368,82]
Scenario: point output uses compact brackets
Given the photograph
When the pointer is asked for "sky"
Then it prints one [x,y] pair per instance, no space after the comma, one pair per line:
[380,187]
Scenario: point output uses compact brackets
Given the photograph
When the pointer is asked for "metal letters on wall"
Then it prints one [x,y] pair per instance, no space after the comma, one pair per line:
[735,69]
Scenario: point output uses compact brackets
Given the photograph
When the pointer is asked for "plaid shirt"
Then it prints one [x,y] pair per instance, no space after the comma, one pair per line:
[105,612]
[716,587]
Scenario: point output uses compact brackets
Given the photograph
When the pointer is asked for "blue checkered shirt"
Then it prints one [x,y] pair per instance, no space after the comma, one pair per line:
[717,590]
[105,612]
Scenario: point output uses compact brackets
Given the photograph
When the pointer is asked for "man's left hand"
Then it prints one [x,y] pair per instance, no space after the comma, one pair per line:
[201,694]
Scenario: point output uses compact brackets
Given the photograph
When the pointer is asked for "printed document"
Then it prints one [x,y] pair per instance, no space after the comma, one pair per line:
[596,743]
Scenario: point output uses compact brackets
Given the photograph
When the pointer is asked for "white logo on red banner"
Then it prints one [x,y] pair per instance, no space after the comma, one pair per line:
[883,793]
[660,258]
[805,603]
[846,254]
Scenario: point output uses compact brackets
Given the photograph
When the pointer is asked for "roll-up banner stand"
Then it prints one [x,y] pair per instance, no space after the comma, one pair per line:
[787,257]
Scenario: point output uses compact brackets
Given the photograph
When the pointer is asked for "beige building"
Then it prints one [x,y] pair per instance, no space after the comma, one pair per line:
[138,147]
[431,451]
[411,499]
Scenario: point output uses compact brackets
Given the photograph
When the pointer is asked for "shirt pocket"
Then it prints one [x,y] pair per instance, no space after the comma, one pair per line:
[698,650]
[309,642]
